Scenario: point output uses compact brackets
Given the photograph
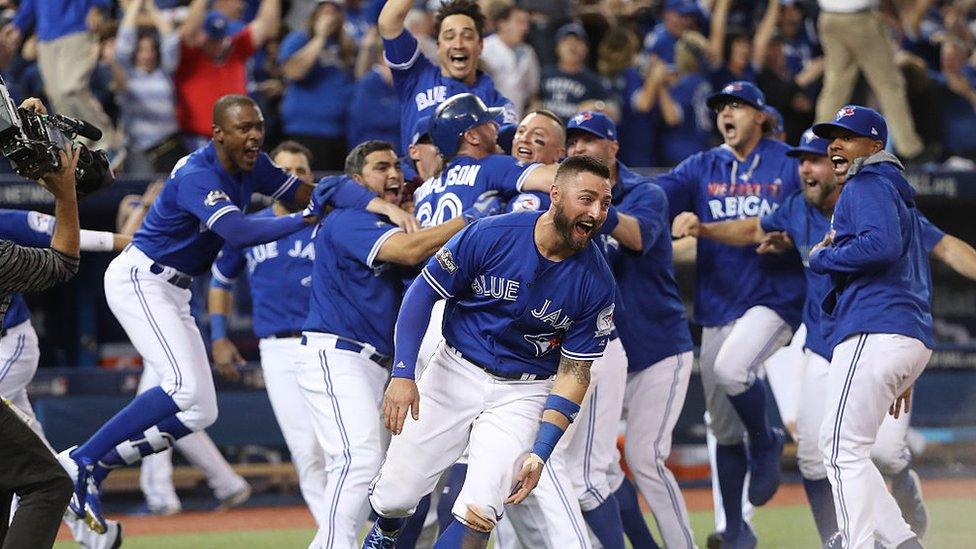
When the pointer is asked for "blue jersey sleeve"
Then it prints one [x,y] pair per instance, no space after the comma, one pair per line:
[361,235]
[403,53]
[679,184]
[26,228]
[931,235]
[649,206]
[451,270]
[506,174]
[227,267]
[779,219]
[587,338]
[200,194]
[273,181]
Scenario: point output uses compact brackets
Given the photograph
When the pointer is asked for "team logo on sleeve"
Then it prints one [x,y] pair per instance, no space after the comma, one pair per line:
[526,203]
[446,260]
[604,322]
[544,343]
[40,223]
[215,196]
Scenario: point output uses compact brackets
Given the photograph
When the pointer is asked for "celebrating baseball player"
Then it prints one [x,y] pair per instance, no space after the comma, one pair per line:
[459,27]
[746,303]
[529,298]
[355,296]
[876,317]
[147,287]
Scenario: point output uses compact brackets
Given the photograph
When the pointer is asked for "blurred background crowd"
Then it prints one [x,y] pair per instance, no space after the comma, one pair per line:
[148,71]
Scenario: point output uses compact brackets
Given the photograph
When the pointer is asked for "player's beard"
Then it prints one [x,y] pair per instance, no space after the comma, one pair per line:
[565,227]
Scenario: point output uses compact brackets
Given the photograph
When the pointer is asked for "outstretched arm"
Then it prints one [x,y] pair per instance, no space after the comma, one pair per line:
[738,232]
[390,22]
[957,254]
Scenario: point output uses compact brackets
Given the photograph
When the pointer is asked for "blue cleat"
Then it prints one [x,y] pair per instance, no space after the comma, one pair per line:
[86,503]
[745,540]
[764,470]
[378,539]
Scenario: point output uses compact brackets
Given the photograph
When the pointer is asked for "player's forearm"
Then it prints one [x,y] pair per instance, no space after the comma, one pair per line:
[265,22]
[957,254]
[540,179]
[219,303]
[864,253]
[740,232]
[239,230]
[390,22]
[195,17]
[415,248]
[568,389]
[67,232]
[101,241]
[411,325]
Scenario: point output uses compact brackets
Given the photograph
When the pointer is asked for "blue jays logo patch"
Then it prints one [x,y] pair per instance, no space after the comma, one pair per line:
[215,196]
[446,260]
[604,322]
[543,343]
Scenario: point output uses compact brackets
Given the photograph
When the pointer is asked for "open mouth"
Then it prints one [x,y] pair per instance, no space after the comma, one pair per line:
[524,153]
[840,164]
[459,60]
[251,153]
[729,130]
[811,183]
[583,228]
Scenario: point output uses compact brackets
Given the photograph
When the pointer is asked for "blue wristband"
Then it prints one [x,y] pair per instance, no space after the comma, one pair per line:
[546,440]
[613,219]
[218,326]
[563,405]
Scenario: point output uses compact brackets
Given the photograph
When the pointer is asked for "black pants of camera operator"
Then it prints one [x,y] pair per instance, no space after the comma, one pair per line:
[29,470]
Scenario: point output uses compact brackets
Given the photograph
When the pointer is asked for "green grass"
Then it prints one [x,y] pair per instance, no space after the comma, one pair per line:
[953,524]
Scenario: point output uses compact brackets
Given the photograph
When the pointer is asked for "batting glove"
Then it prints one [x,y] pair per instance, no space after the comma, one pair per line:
[487,204]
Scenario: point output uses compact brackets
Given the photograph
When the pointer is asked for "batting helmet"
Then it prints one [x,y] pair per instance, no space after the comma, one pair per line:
[455,116]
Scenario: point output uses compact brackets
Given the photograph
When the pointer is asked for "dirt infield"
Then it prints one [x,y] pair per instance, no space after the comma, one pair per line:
[274,518]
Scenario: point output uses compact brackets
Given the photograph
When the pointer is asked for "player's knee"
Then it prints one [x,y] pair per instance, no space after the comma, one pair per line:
[731,376]
[810,461]
[890,459]
[478,519]
[387,501]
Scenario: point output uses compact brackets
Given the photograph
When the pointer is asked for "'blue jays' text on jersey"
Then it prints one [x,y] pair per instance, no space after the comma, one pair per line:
[26,228]
[650,316]
[462,181]
[718,187]
[176,231]
[513,311]
[422,87]
[353,294]
[280,276]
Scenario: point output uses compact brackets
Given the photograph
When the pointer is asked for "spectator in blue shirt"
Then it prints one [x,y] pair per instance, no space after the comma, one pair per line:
[636,129]
[678,17]
[569,87]
[737,55]
[374,111]
[687,119]
[318,63]
[958,78]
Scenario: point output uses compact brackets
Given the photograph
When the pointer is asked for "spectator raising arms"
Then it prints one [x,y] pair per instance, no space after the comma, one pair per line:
[318,63]
[374,112]
[687,118]
[637,129]
[570,87]
[148,57]
[511,62]
[213,54]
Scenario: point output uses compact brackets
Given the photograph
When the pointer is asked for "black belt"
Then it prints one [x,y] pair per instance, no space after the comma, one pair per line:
[346,344]
[179,280]
[503,375]
[285,335]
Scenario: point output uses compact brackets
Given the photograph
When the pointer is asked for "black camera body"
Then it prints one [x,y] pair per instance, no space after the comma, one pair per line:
[31,142]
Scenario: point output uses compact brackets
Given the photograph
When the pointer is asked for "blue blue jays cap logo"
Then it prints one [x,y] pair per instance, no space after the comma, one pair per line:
[809,136]
[543,343]
[845,111]
[583,117]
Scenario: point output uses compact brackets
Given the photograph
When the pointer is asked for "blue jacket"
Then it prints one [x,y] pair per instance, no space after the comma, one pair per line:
[878,263]
[56,18]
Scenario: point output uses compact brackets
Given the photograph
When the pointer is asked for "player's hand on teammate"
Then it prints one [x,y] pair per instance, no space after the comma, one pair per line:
[685,224]
[401,397]
[227,359]
[526,479]
[827,242]
[775,242]
[902,403]
[403,219]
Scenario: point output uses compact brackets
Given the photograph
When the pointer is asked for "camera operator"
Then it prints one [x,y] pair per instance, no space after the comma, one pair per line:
[30,469]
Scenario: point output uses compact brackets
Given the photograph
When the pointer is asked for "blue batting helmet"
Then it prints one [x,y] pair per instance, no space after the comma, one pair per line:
[455,116]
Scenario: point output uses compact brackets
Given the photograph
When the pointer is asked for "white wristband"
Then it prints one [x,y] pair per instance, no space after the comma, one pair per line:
[96,241]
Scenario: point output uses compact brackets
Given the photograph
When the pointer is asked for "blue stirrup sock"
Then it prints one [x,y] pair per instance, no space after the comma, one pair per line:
[605,523]
[458,536]
[821,499]
[414,526]
[635,527]
[751,407]
[449,494]
[155,439]
[142,413]
[732,464]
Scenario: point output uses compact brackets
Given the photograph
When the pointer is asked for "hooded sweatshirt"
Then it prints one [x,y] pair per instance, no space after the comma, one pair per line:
[877,263]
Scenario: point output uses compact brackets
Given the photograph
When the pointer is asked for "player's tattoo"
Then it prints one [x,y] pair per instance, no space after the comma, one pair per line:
[580,369]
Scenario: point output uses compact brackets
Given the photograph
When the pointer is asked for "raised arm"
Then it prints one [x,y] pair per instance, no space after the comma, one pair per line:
[716,38]
[764,33]
[390,22]
[297,65]
[266,22]
[957,254]
[195,17]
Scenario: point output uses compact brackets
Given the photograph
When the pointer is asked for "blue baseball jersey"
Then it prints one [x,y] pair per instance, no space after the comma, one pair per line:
[421,87]
[353,294]
[25,228]
[694,133]
[512,310]
[661,42]
[650,318]
[878,267]
[280,276]
[462,181]
[718,187]
[176,231]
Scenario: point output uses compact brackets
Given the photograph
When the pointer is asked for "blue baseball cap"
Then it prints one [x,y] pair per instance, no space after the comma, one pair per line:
[421,129]
[856,119]
[683,7]
[743,91]
[218,26]
[574,29]
[506,136]
[809,144]
[775,119]
[592,122]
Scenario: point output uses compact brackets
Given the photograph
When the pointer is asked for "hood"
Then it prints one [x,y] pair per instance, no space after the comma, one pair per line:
[887,164]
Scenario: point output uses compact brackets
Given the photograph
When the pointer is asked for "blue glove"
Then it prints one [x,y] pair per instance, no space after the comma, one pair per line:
[487,204]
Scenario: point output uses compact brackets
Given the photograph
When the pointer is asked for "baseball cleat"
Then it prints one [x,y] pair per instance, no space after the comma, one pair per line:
[235,499]
[378,539]
[764,475]
[745,540]
[76,505]
[714,540]
[86,501]
[907,491]
[836,541]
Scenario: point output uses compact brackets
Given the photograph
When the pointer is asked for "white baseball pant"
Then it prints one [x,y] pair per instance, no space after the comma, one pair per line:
[344,390]
[867,373]
[461,406]
[156,470]
[652,404]
[156,316]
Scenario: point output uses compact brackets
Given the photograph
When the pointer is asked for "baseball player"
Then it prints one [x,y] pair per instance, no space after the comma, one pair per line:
[508,313]
[876,317]
[348,334]
[198,210]
[746,303]
[423,153]
[421,85]
[19,351]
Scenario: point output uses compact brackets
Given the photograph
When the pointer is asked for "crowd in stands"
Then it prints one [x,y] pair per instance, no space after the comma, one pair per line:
[151,69]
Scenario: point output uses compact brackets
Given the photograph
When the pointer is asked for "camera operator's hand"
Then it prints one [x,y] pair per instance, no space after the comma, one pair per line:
[34,104]
[62,182]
